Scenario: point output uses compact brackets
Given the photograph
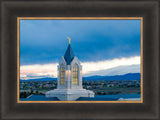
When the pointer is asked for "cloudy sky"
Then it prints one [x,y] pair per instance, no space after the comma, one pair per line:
[104,47]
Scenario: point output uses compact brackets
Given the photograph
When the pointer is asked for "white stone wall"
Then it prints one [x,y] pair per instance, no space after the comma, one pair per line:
[74,62]
[69,91]
[69,74]
[62,63]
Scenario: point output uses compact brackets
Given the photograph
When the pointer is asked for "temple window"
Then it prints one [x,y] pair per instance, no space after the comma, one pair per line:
[62,75]
[75,74]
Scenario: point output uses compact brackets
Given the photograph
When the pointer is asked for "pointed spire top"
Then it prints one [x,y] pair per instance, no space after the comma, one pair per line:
[69,54]
[69,40]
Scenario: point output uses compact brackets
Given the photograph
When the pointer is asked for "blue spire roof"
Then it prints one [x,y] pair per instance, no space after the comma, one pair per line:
[69,55]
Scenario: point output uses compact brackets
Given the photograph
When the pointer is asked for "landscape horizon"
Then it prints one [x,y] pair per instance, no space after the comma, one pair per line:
[125,86]
[128,76]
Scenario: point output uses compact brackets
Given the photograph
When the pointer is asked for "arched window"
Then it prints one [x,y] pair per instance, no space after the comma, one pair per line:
[62,75]
[75,74]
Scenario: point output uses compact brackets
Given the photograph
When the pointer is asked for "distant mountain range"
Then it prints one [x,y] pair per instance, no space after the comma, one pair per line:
[40,79]
[129,76]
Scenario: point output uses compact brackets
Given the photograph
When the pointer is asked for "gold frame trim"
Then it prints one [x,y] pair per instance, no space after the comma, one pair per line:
[77,18]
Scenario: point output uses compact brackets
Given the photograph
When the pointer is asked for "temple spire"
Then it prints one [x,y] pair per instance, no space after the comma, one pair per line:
[69,54]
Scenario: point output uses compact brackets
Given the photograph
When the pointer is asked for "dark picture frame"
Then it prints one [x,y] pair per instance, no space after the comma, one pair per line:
[149,10]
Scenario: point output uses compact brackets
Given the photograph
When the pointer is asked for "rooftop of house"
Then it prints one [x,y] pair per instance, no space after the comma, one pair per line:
[96,98]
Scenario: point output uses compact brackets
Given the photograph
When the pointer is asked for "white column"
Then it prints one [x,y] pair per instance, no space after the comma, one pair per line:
[68,77]
[80,76]
[71,78]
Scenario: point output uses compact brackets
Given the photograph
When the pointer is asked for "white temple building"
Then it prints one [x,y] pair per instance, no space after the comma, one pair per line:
[69,79]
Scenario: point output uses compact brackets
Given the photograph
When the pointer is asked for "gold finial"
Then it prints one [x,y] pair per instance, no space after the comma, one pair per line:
[69,39]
